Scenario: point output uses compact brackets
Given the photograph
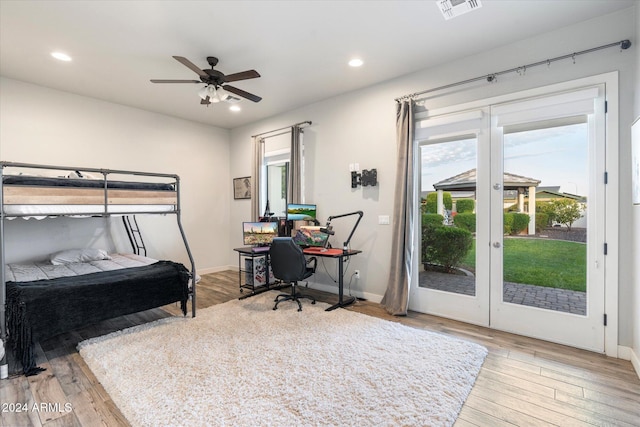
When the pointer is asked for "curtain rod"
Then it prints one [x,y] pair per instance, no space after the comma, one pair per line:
[308,122]
[624,44]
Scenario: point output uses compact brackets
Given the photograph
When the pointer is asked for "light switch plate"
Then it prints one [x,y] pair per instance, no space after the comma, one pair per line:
[383,219]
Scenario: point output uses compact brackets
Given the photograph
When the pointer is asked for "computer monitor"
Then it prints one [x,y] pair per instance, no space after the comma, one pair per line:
[301,212]
[259,233]
[310,236]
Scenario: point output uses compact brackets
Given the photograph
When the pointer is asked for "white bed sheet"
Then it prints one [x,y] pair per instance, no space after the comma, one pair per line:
[43,211]
[45,270]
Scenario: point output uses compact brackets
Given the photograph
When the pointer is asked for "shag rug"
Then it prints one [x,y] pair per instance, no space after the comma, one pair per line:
[243,364]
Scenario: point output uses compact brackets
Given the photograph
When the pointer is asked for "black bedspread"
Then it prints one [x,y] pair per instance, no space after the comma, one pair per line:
[41,309]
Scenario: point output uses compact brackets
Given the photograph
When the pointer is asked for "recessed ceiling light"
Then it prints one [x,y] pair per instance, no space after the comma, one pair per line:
[235,108]
[61,56]
[356,62]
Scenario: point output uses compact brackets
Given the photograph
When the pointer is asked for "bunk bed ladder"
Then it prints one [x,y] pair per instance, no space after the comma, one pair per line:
[135,236]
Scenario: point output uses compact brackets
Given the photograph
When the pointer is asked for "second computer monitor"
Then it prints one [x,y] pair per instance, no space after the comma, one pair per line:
[259,233]
[301,212]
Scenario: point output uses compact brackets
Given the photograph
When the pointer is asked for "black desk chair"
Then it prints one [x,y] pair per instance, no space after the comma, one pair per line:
[290,265]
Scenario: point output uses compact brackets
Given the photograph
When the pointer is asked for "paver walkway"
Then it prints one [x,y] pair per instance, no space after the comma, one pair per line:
[517,293]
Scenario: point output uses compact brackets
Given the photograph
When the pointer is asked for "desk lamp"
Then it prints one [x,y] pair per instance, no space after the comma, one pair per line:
[328,229]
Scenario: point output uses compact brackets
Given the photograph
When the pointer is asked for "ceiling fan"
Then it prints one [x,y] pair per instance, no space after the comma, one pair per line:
[216,82]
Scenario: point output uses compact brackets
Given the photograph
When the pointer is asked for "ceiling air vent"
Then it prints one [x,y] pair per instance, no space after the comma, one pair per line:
[452,8]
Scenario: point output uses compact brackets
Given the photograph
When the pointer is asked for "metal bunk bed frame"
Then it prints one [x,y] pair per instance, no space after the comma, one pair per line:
[105,213]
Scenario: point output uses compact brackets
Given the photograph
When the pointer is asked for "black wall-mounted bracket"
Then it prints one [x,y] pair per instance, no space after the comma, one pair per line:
[366,178]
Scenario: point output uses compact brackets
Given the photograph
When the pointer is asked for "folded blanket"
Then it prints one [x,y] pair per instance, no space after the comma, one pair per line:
[41,309]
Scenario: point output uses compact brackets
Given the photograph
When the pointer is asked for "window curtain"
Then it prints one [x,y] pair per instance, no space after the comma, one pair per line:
[256,176]
[294,183]
[396,297]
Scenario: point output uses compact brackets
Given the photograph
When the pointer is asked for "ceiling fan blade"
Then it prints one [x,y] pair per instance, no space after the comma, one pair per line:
[174,81]
[244,75]
[184,61]
[242,93]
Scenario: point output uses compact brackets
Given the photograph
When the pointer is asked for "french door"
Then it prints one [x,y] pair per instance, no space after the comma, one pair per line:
[526,178]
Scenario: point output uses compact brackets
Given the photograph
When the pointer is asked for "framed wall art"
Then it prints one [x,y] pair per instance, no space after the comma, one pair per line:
[242,188]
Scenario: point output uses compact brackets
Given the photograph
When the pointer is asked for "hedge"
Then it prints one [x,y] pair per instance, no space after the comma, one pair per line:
[465,205]
[516,222]
[432,219]
[466,221]
[431,206]
[445,246]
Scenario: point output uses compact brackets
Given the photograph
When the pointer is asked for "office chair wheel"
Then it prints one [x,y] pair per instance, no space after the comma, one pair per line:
[313,302]
[275,308]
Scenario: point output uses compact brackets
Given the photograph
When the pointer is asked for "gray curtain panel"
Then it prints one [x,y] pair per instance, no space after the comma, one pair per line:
[294,186]
[256,175]
[396,297]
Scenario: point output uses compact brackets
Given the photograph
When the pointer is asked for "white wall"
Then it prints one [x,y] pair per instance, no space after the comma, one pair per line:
[45,126]
[360,127]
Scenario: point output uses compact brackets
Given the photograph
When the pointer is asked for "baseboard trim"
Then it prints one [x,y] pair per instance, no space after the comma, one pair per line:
[627,353]
[333,289]
[214,269]
[635,361]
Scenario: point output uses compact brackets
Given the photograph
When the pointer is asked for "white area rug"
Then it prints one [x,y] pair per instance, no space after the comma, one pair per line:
[243,364]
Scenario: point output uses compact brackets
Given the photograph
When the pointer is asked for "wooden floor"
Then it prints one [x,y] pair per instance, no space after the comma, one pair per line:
[523,381]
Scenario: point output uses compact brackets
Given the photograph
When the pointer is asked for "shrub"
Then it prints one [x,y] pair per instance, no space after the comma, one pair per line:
[465,205]
[445,246]
[431,206]
[520,222]
[432,219]
[542,221]
[508,223]
[466,221]
[547,209]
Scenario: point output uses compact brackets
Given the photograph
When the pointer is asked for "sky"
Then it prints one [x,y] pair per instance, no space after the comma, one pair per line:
[556,156]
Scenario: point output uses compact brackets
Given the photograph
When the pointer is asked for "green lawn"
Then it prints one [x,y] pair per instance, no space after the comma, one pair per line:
[550,263]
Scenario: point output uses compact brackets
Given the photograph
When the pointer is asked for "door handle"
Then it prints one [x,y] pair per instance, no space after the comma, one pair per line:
[496,244]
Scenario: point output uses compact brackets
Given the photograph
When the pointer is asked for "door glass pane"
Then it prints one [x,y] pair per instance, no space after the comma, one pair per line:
[546,184]
[448,206]
[277,188]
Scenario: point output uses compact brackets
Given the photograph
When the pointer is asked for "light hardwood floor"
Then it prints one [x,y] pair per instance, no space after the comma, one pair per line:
[523,381]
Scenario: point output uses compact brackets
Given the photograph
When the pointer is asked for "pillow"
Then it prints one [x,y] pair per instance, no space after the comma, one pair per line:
[78,255]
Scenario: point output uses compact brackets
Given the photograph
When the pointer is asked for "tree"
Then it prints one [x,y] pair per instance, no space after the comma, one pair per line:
[566,211]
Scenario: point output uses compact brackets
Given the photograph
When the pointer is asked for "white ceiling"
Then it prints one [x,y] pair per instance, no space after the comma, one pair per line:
[300,48]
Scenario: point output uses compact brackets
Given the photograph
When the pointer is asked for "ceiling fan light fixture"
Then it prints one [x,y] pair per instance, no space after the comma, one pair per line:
[214,91]
[204,92]
[215,95]
[219,95]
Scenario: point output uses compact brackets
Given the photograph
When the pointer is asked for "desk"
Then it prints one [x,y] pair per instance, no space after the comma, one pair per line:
[248,252]
[340,255]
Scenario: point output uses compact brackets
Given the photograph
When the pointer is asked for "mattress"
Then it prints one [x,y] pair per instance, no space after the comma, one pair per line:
[43,211]
[29,272]
[39,197]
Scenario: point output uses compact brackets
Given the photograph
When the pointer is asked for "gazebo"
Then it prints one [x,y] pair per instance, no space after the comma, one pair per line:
[466,181]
